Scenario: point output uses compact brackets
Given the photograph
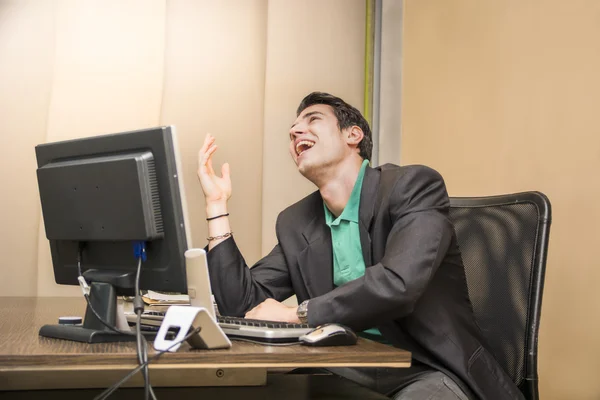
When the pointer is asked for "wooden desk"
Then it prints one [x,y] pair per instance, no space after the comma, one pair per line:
[29,361]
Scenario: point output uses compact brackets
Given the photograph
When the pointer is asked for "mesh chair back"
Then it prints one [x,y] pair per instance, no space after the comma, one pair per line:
[503,242]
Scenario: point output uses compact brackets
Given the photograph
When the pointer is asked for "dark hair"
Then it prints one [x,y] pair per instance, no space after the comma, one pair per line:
[346,115]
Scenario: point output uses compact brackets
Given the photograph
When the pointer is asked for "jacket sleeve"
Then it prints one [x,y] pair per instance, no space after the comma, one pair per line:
[237,288]
[418,240]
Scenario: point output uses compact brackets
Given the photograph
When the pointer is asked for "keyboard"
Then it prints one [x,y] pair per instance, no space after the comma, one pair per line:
[239,328]
[262,331]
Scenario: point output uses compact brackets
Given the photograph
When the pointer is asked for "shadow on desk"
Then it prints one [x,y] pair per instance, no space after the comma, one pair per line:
[279,386]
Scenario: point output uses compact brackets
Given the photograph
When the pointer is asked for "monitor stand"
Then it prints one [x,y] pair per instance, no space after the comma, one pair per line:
[103,297]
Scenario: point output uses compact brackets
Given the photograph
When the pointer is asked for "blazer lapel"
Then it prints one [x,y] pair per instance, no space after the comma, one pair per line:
[316,261]
[366,211]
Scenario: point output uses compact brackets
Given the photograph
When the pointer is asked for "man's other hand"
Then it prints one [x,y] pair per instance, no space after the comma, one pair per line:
[272,310]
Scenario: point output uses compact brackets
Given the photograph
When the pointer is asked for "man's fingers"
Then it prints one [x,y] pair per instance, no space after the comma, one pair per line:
[225,171]
[208,141]
[204,162]
[209,167]
[250,313]
[209,160]
[207,155]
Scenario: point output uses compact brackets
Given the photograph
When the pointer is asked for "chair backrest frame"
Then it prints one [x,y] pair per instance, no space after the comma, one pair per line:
[529,385]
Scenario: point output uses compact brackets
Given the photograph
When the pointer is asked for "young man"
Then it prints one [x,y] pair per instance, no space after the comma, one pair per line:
[372,249]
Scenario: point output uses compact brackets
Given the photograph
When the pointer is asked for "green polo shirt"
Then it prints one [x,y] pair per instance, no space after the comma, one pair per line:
[348,261]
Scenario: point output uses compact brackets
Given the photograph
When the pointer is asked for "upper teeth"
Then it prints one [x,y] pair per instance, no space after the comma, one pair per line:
[301,143]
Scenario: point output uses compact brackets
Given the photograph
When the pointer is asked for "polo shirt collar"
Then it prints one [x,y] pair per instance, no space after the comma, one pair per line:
[350,212]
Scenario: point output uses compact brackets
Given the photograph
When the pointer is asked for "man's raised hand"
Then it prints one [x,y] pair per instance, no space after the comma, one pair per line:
[217,190]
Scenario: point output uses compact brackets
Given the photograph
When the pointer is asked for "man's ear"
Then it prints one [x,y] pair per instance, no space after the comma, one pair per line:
[354,135]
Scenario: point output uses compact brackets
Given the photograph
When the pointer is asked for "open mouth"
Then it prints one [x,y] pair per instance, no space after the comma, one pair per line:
[302,146]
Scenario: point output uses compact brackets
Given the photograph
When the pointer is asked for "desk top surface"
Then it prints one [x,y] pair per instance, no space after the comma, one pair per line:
[22,347]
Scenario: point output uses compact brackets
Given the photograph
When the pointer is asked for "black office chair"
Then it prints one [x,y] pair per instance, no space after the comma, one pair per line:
[504,242]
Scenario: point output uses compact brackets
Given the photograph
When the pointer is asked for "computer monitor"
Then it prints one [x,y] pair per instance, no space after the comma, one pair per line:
[103,195]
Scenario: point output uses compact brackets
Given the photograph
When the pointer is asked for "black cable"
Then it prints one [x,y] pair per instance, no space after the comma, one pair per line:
[138,306]
[106,324]
[145,358]
[141,346]
[110,390]
[80,247]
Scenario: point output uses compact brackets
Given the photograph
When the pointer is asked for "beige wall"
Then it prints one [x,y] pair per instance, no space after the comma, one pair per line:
[502,96]
[26,64]
[234,68]
[217,86]
[326,53]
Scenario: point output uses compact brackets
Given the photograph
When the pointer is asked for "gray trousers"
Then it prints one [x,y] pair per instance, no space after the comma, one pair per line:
[431,386]
[399,384]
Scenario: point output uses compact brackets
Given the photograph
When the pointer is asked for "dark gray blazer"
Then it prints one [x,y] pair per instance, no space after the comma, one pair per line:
[414,288]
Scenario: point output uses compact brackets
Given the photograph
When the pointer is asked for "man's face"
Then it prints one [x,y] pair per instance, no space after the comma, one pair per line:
[316,140]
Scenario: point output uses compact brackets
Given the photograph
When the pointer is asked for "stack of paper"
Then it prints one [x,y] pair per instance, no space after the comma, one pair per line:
[153,298]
